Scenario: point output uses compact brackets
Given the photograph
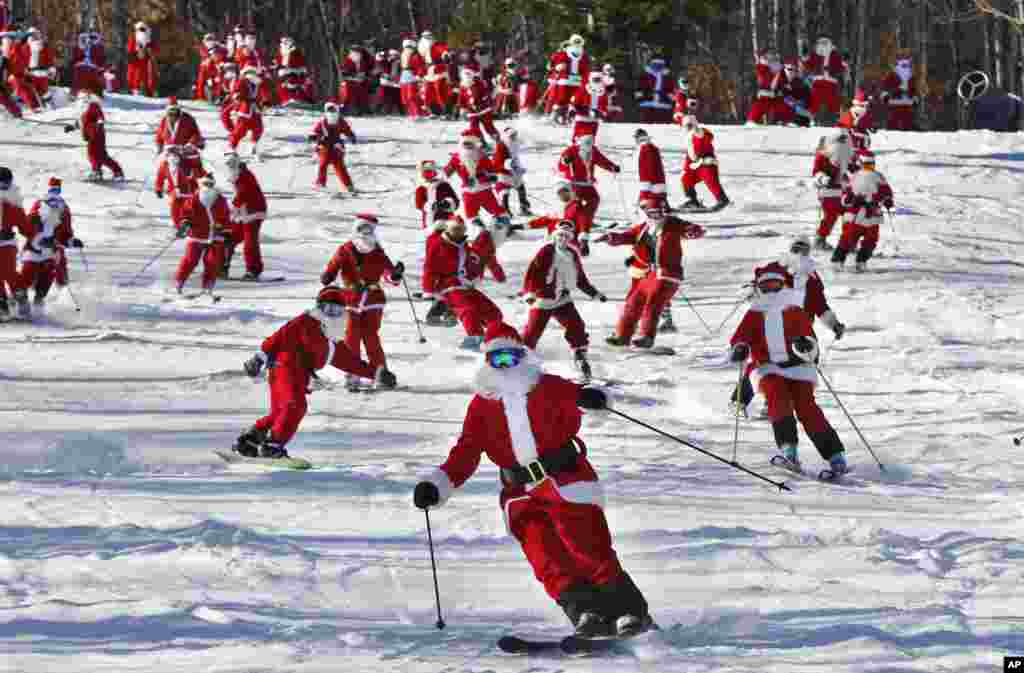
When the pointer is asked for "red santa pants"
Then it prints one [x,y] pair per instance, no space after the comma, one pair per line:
[564,94]
[655,115]
[142,76]
[565,542]
[437,93]
[8,269]
[584,129]
[86,77]
[330,156]
[589,201]
[485,120]
[472,202]
[644,303]
[831,209]
[473,309]
[866,234]
[566,315]
[96,150]
[786,397]
[411,99]
[10,105]
[212,256]
[253,125]
[287,402]
[901,118]
[824,95]
[769,110]
[363,329]
[41,85]
[41,275]
[248,234]
[706,174]
[25,91]
[295,88]
[225,117]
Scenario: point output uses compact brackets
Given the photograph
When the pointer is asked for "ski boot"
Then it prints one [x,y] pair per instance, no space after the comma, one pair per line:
[24,309]
[249,442]
[644,342]
[582,605]
[251,276]
[821,243]
[616,340]
[667,325]
[5,311]
[837,464]
[524,202]
[860,267]
[721,205]
[352,383]
[692,202]
[592,625]
[580,359]
[437,313]
[94,176]
[624,605]
[272,449]
[119,177]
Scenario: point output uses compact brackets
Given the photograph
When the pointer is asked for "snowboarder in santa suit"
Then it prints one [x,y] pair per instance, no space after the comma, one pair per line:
[827,69]
[330,135]
[590,104]
[776,335]
[12,222]
[899,93]
[554,272]
[527,423]
[43,261]
[508,162]
[701,165]
[867,193]
[292,355]
[142,68]
[576,166]
[248,211]
[177,178]
[830,173]
[654,93]
[439,314]
[657,271]
[436,58]
[91,123]
[450,273]
[206,218]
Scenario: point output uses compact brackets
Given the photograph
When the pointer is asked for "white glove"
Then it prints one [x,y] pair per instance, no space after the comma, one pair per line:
[822,180]
[805,348]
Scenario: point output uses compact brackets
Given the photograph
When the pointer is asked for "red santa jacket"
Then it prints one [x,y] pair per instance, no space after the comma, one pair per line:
[476,176]
[290,64]
[657,252]
[329,135]
[769,328]
[178,183]
[245,56]
[362,274]
[249,204]
[865,196]
[450,266]
[860,129]
[700,149]
[770,84]
[184,132]
[831,69]
[429,193]
[48,225]
[898,93]
[38,60]
[614,94]
[138,53]
[553,275]
[209,73]
[579,171]
[683,104]
[572,212]
[588,109]
[209,220]
[475,100]
[300,345]
[91,122]
[12,218]
[549,422]
[570,71]
[528,94]
[823,166]
[413,66]
[484,247]
[436,62]
[651,171]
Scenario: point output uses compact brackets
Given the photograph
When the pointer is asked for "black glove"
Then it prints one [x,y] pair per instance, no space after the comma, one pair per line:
[839,330]
[311,138]
[254,365]
[159,193]
[629,261]
[326,278]
[68,128]
[803,344]
[47,242]
[616,169]
[386,379]
[399,271]
[76,243]
[592,398]
[426,495]
[739,353]
[584,248]
[183,229]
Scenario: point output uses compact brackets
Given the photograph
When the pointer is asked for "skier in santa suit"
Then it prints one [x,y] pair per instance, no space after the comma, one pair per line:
[330,135]
[388,99]
[178,128]
[6,99]
[700,165]
[209,81]
[178,179]
[476,171]
[827,70]
[475,102]
[684,102]
[450,273]
[650,169]
[354,90]
[656,267]
[292,355]
[867,193]
[88,63]
[91,124]
[654,93]
[39,64]
[576,166]
[505,89]
[15,57]
[413,69]
[245,111]
[572,68]
[611,88]
[859,121]
[776,335]
[439,314]
[248,211]
[12,222]
[362,264]
[207,217]
[830,173]
[769,105]
[554,272]
[572,211]
[527,92]
[431,189]
[527,423]
[248,54]
[796,94]
[293,80]
[485,245]
[590,103]
[47,234]
[508,163]
[142,68]
[899,93]
[436,57]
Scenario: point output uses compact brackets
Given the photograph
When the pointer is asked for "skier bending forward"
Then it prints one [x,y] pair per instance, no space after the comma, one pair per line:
[527,422]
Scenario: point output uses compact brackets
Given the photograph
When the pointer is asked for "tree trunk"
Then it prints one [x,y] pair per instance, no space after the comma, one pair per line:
[753,16]
[801,24]
[118,34]
[745,53]
[921,42]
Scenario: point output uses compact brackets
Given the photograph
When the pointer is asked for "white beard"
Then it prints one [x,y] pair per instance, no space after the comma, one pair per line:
[424,48]
[801,266]
[469,160]
[332,328]
[776,300]
[35,45]
[364,245]
[141,39]
[595,91]
[494,384]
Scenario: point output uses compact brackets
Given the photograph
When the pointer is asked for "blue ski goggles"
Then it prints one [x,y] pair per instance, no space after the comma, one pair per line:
[332,310]
[504,358]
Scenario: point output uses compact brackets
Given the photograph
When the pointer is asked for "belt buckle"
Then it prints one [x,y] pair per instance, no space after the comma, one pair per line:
[537,471]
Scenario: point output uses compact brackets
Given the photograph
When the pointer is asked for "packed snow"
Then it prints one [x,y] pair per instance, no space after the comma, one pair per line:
[126,545]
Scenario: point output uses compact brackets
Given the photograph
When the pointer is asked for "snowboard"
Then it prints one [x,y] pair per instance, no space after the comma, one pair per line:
[262,279]
[633,351]
[287,463]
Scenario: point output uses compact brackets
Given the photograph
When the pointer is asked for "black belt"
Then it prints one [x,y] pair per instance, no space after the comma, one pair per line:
[547,465]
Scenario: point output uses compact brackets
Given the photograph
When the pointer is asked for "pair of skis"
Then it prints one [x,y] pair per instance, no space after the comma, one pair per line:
[827,474]
[572,644]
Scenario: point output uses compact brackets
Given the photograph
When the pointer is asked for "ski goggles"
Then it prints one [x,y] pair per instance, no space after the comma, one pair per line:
[332,310]
[504,358]
[800,248]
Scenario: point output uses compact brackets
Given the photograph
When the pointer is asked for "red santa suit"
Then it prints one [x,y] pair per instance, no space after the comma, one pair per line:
[859,121]
[591,105]
[683,104]
[651,171]
[39,66]
[330,149]
[769,104]
[899,92]
[475,102]
[94,133]
[654,93]
[354,89]
[701,165]
[827,69]
[16,62]
[245,113]
[298,350]
[88,63]
[413,69]
[656,269]
[573,212]
[248,211]
[47,232]
[436,57]
[577,168]
[477,173]
[142,68]
[831,162]
[177,179]
[12,221]
[867,193]
[505,93]
[209,81]
[527,92]
[450,272]
[362,273]
[572,70]
[428,193]
[181,131]
[554,272]
[210,216]
[293,80]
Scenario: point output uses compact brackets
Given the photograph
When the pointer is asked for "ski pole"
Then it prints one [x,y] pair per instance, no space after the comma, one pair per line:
[731,314]
[150,262]
[85,262]
[622,198]
[699,316]
[739,403]
[412,306]
[781,485]
[78,307]
[850,418]
[433,566]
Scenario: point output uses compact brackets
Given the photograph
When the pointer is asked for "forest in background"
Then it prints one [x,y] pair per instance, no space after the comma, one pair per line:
[714,41]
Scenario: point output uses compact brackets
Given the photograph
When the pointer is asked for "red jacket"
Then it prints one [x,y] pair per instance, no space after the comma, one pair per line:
[37,63]
[770,84]
[769,328]
[831,69]
[860,130]
[47,220]
[579,171]
[588,110]
[137,53]
[651,171]
[301,345]
[362,274]
[12,218]
[551,277]
[208,222]
[898,93]
[184,132]
[683,104]
[660,253]
[570,71]
[475,178]
[450,266]
[427,194]
[291,64]
[528,95]
[249,204]
[91,123]
[475,100]
[484,246]
[571,212]
[823,166]
[179,183]
[330,135]
[700,150]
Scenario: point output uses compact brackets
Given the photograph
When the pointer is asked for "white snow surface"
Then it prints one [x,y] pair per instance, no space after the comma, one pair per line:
[126,545]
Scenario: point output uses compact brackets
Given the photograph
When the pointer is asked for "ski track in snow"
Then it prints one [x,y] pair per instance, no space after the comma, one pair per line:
[126,545]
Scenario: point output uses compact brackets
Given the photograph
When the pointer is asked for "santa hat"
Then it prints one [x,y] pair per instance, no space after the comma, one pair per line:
[866,157]
[332,294]
[471,136]
[172,104]
[860,99]
[772,271]
[141,25]
[501,335]
[365,219]
[53,186]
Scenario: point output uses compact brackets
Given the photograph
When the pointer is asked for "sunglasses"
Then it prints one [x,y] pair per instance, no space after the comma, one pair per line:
[332,310]
[504,358]
[800,249]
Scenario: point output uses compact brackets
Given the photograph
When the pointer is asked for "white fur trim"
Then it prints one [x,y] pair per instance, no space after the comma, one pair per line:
[498,344]
[505,512]
[443,482]
[806,373]
[775,335]
[524,444]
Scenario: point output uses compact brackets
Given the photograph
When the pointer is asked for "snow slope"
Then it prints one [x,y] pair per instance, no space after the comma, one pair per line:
[126,545]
